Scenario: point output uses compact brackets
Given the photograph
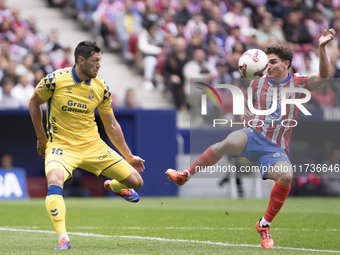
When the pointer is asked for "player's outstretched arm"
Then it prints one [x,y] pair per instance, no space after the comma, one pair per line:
[315,80]
[36,116]
[114,131]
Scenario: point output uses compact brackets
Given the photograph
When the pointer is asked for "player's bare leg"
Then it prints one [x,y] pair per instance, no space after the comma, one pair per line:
[282,174]
[234,144]
[55,206]
[125,188]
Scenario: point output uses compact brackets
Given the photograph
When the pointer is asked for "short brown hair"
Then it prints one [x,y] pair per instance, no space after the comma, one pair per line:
[282,51]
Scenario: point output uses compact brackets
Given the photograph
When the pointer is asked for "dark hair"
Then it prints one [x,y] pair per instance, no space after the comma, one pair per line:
[86,49]
[282,51]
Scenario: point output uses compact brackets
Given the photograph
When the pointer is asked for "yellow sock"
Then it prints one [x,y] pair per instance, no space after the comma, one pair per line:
[117,186]
[56,209]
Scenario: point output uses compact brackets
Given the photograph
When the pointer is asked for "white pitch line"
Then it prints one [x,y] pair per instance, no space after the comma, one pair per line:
[164,239]
[176,228]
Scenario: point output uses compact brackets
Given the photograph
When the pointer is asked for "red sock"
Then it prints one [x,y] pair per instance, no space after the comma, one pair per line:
[277,198]
[207,158]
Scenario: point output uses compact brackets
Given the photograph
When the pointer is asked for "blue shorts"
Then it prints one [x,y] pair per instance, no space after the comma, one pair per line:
[262,152]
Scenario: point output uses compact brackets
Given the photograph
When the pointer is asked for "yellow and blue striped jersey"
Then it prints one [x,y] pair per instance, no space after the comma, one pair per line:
[71,103]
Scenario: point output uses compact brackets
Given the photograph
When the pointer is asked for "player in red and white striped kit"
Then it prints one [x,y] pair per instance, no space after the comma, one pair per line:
[267,145]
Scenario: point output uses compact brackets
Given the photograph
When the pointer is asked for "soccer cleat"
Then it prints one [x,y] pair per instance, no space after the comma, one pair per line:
[266,238]
[64,244]
[129,195]
[179,177]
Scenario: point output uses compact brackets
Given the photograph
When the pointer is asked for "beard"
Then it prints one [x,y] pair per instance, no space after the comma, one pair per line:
[88,73]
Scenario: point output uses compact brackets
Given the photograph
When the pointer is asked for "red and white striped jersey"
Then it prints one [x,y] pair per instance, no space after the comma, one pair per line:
[262,100]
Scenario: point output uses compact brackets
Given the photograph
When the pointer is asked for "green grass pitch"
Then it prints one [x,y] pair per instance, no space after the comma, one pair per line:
[171,226]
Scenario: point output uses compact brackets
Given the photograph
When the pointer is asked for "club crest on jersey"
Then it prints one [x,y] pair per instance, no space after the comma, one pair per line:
[91,96]
[69,90]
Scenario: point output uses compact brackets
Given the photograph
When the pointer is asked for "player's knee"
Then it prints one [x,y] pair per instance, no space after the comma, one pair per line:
[285,179]
[55,180]
[225,146]
[139,183]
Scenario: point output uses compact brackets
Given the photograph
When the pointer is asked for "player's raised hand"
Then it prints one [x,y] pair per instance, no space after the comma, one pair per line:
[41,146]
[137,163]
[326,37]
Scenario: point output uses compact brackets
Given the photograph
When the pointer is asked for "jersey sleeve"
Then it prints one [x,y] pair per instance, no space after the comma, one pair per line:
[106,105]
[302,80]
[45,87]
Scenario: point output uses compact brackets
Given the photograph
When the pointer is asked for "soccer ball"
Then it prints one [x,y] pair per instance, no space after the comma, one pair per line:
[253,64]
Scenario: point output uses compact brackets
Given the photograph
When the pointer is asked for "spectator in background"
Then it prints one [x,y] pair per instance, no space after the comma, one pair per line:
[10,72]
[251,41]
[149,44]
[85,10]
[224,6]
[6,32]
[215,35]
[4,55]
[6,160]
[236,18]
[68,58]
[38,75]
[222,28]
[150,14]
[183,15]
[173,73]
[128,27]
[277,9]
[307,69]
[37,50]
[26,67]
[53,48]
[180,30]
[44,64]
[195,6]
[167,24]
[23,91]
[8,102]
[171,5]
[19,47]
[195,43]
[195,26]
[197,68]
[297,34]
[33,34]
[316,24]
[20,39]
[104,19]
[258,15]
[268,34]
[234,37]
[233,64]
[130,101]
[206,11]
[213,56]
[5,12]
[16,20]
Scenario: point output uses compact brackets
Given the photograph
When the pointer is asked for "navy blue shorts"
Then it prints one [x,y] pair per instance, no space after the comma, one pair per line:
[262,152]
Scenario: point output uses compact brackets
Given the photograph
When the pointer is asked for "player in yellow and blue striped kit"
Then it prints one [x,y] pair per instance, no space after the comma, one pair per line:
[72,95]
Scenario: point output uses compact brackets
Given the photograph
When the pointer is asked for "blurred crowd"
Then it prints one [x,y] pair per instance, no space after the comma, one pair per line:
[172,41]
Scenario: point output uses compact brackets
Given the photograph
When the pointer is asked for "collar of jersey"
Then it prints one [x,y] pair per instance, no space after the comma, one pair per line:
[284,81]
[76,79]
